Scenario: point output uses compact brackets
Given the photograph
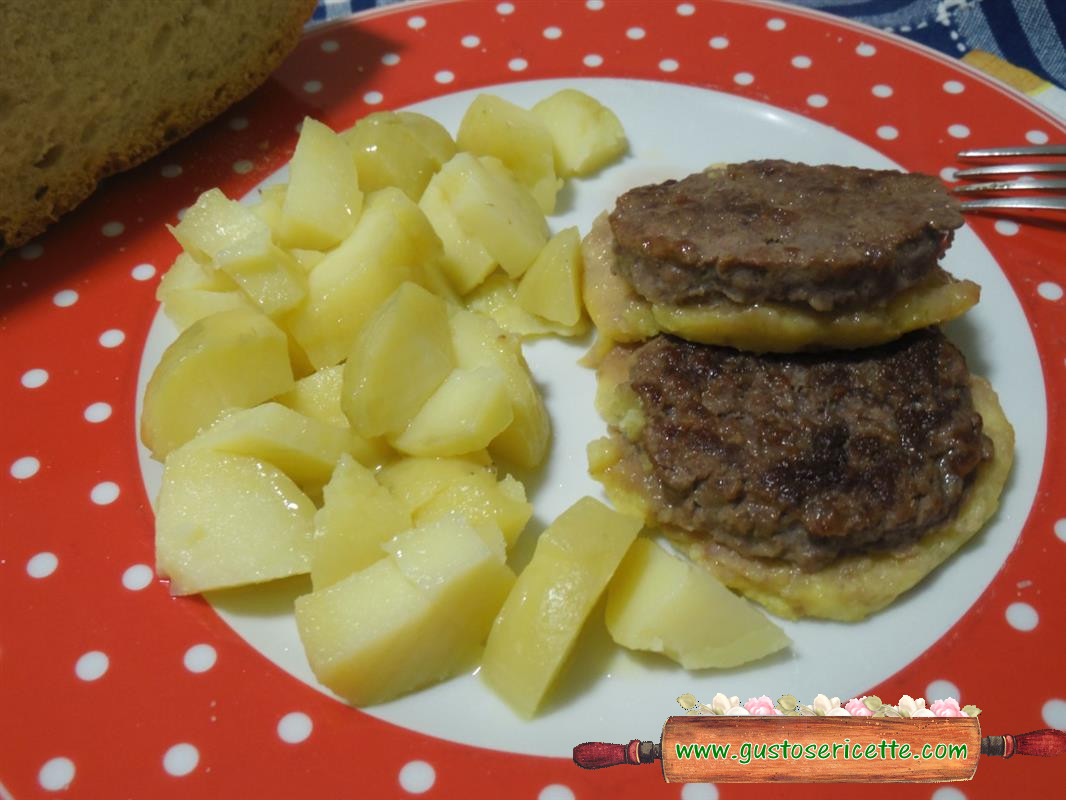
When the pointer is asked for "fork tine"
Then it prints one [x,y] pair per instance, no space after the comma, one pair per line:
[1011,186]
[1006,152]
[1009,169]
[1037,203]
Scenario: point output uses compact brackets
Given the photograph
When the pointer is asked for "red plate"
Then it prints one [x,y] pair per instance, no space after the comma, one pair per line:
[110,687]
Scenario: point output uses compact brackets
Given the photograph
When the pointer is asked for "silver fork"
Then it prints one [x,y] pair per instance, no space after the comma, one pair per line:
[1026,181]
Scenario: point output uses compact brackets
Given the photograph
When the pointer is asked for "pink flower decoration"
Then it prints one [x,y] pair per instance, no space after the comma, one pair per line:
[761,707]
[947,708]
[857,708]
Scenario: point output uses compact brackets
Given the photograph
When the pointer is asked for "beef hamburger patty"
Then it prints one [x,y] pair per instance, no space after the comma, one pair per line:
[806,458]
[825,236]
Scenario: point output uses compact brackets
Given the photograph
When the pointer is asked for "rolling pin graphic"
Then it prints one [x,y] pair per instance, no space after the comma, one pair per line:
[819,749]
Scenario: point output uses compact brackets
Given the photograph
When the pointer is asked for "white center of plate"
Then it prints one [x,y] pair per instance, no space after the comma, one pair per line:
[607,693]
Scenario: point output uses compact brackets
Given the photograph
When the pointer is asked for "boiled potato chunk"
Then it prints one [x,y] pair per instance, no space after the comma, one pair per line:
[416,481]
[268,275]
[323,199]
[551,287]
[391,243]
[470,409]
[466,262]
[461,569]
[478,342]
[233,359]
[479,498]
[519,138]
[318,396]
[214,223]
[398,148]
[268,209]
[495,210]
[358,515]
[226,520]
[545,611]
[399,360]
[497,299]
[303,448]
[190,291]
[406,621]
[661,603]
[586,134]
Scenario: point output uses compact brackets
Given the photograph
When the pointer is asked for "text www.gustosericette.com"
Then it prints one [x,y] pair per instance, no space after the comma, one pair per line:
[785,750]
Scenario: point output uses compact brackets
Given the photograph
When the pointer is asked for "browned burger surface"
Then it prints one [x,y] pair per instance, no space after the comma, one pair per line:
[826,236]
[808,457]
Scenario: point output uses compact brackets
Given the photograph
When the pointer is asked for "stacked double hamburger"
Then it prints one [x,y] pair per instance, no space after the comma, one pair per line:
[781,402]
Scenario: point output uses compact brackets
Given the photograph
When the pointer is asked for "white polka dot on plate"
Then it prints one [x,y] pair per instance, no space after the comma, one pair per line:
[954,87]
[91,666]
[592,60]
[887,132]
[686,9]
[505,8]
[881,90]
[948,174]
[1049,291]
[635,33]
[200,658]
[42,565]
[1006,227]
[1054,713]
[313,87]
[556,791]
[238,123]
[137,577]
[1022,616]
[1036,137]
[958,130]
[181,759]
[294,727]
[242,167]
[775,24]
[941,690]
[417,777]
[97,412]
[56,774]
[143,272]
[594,5]
[699,791]
[817,101]
[112,338]
[34,378]
[373,98]
[719,42]
[105,493]
[170,170]
[25,467]
[517,64]
[948,793]
[31,251]
[801,62]
[1060,529]
[470,41]
[865,50]
[416,23]
[65,298]
[668,65]
[112,229]
[743,78]
[444,76]
[390,59]
[553,32]
[330,46]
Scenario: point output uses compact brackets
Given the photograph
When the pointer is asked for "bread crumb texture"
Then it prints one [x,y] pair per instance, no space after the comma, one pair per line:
[89,89]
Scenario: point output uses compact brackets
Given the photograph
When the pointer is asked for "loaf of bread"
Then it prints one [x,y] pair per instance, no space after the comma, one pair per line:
[92,87]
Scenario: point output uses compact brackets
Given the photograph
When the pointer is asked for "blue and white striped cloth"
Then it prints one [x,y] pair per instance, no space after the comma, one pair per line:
[1026,33]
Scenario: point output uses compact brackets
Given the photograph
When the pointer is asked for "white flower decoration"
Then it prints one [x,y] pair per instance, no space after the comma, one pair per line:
[838,711]
[721,704]
[923,712]
[737,711]
[909,707]
[823,705]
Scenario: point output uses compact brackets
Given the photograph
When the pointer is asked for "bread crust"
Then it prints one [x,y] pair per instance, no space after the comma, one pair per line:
[41,187]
